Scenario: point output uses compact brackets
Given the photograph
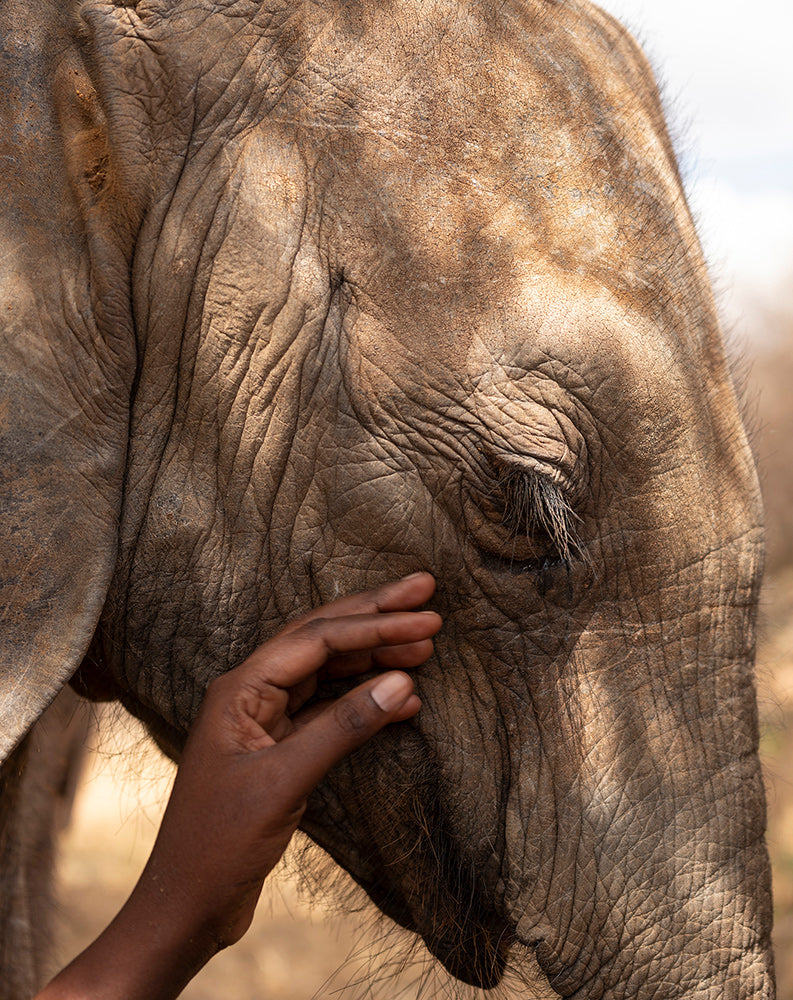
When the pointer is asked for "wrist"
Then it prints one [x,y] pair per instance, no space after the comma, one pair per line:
[167,919]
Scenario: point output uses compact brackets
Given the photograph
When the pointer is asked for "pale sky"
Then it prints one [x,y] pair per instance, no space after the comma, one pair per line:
[727,71]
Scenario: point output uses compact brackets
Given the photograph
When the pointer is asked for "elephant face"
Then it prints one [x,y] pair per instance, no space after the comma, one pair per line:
[339,293]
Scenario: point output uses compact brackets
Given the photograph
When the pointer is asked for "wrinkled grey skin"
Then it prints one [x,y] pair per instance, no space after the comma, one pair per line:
[297,298]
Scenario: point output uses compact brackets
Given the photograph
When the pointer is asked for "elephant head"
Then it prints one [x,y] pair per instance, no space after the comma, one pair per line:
[297,298]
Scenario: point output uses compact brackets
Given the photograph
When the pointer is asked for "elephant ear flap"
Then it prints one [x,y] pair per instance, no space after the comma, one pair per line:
[64,391]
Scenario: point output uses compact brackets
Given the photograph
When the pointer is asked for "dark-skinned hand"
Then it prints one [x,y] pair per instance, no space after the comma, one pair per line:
[253,756]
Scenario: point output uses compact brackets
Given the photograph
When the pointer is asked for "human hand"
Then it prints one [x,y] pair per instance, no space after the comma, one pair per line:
[254,753]
[257,750]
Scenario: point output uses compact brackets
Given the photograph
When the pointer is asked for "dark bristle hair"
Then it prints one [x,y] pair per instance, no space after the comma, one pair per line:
[533,503]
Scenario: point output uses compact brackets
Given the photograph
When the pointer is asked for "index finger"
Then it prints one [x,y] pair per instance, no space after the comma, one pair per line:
[293,656]
[399,595]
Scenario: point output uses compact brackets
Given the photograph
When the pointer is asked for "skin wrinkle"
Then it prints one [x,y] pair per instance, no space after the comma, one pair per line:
[368,265]
[430,431]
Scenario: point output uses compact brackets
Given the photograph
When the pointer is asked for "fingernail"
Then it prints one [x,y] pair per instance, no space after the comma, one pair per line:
[412,576]
[392,692]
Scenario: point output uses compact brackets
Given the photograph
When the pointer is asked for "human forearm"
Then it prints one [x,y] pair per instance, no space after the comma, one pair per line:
[150,951]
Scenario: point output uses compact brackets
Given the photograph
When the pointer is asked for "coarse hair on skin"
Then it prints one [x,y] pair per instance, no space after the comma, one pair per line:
[532,504]
[385,961]
[388,962]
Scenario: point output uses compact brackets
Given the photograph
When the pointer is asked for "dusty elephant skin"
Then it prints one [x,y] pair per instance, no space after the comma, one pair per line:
[297,298]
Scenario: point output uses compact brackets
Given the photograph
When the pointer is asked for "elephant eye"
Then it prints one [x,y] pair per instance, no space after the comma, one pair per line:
[533,506]
[524,519]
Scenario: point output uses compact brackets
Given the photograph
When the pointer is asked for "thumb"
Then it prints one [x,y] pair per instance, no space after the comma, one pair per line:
[345,725]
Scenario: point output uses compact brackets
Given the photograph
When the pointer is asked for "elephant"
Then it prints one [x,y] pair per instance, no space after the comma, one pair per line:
[298,298]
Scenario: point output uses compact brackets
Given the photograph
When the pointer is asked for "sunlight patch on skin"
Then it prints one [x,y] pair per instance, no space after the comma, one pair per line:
[518,427]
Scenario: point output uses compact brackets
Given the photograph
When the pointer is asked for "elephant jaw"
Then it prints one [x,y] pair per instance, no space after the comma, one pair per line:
[449,912]
[379,815]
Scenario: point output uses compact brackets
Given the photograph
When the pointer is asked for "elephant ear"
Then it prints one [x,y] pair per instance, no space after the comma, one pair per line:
[66,364]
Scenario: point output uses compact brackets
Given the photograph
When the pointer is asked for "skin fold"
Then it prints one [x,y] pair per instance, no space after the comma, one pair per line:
[300,298]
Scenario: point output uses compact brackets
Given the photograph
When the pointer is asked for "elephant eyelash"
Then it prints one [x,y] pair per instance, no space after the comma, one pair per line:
[533,505]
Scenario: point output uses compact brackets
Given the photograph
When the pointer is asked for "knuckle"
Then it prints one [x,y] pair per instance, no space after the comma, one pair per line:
[351,718]
[314,629]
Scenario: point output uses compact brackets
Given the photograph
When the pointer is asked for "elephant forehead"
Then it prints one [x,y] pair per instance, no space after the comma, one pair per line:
[438,168]
[479,229]
[449,170]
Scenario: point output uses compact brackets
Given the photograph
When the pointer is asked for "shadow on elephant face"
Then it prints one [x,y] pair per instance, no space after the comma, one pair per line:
[302,298]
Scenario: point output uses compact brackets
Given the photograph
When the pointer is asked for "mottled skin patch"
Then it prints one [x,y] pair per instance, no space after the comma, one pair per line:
[290,293]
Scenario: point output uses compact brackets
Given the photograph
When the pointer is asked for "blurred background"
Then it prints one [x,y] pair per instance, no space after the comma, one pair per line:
[728,84]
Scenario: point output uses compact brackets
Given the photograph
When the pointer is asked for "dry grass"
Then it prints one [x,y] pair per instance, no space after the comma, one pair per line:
[775,689]
[769,407]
